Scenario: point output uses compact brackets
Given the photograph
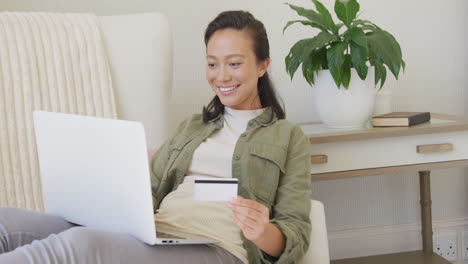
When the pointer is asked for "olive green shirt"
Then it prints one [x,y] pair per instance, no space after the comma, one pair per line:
[272,162]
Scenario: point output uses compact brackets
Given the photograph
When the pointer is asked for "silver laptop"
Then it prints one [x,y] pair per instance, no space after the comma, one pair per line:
[95,173]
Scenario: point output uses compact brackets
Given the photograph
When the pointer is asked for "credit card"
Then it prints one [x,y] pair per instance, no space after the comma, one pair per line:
[215,189]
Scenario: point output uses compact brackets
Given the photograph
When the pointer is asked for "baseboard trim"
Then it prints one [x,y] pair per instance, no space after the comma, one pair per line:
[386,239]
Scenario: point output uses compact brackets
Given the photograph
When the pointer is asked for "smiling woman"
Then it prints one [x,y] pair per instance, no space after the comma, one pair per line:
[232,69]
[238,56]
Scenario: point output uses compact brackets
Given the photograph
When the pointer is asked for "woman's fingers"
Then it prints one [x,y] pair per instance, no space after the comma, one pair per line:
[250,216]
[253,232]
[250,204]
[243,225]
[247,212]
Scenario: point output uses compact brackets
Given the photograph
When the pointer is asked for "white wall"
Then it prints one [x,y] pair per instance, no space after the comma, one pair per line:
[430,39]
[433,38]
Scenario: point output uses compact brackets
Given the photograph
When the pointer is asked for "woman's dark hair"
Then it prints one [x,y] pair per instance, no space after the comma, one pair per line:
[243,20]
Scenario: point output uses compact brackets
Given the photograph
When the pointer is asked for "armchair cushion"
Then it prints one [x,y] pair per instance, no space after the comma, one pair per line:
[318,248]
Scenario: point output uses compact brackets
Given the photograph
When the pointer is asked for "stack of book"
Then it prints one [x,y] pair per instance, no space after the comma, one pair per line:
[401,119]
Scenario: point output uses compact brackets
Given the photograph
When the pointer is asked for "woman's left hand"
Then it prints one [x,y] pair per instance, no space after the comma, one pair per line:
[250,216]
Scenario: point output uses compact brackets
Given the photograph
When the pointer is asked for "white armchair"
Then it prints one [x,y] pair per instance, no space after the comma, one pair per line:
[318,249]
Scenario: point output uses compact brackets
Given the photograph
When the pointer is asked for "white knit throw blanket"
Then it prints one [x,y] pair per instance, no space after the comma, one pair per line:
[48,61]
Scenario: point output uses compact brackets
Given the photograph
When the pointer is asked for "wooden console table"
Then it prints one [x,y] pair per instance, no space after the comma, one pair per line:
[440,143]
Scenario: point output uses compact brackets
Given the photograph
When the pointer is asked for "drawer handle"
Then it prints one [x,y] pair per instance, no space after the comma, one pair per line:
[425,149]
[318,159]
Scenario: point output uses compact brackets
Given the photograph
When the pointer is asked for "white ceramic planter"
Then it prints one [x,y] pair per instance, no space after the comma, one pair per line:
[345,108]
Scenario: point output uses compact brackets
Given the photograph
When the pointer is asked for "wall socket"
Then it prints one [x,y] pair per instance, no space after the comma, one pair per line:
[465,246]
[446,246]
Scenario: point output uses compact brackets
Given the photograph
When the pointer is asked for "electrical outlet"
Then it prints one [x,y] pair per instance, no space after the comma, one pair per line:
[465,245]
[446,246]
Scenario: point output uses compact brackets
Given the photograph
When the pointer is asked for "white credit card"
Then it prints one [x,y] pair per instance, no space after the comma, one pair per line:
[215,189]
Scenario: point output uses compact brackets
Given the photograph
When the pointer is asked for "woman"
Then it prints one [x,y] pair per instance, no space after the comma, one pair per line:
[240,134]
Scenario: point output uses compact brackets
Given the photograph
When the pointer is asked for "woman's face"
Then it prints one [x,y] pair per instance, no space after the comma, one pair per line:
[232,69]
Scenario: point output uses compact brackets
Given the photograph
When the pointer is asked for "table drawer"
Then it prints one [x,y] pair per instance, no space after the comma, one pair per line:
[387,152]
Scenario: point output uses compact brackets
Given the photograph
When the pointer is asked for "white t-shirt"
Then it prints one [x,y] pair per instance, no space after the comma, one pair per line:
[180,214]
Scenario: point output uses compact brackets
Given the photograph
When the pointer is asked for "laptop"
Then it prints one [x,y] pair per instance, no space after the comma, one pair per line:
[95,173]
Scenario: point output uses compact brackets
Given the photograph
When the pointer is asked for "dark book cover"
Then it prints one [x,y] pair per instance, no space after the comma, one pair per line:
[402,119]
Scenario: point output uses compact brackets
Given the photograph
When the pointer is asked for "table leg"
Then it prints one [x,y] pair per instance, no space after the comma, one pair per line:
[426,214]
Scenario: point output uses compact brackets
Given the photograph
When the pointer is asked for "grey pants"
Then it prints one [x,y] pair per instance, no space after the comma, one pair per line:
[32,237]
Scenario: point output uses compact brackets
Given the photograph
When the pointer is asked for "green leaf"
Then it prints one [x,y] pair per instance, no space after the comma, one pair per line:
[346,10]
[326,16]
[362,22]
[335,57]
[304,22]
[311,15]
[346,75]
[295,56]
[359,50]
[365,25]
[319,59]
[376,74]
[385,47]
[380,72]
[313,63]
[303,48]
[338,27]
[368,27]
[308,69]
[359,57]
[356,35]
[395,44]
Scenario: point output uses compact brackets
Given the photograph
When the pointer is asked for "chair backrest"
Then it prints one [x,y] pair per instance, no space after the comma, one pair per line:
[139,48]
[318,248]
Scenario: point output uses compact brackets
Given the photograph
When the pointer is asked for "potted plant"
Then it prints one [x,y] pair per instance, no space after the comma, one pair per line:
[338,55]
